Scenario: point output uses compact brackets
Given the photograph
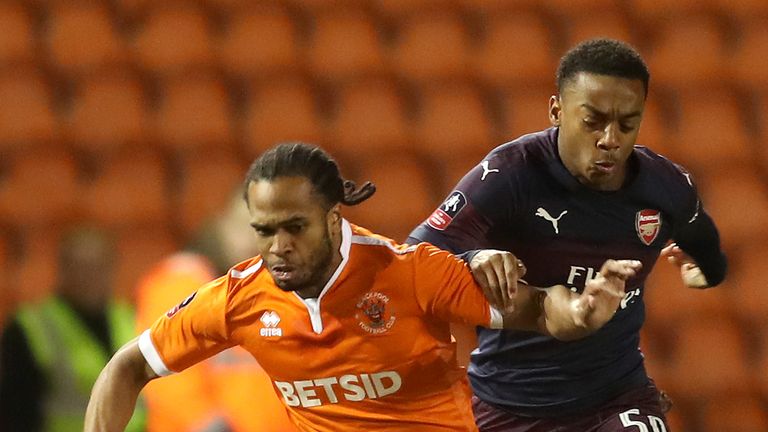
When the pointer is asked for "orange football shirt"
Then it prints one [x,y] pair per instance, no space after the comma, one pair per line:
[372,352]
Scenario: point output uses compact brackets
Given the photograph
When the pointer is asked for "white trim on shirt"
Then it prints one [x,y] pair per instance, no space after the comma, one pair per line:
[151,355]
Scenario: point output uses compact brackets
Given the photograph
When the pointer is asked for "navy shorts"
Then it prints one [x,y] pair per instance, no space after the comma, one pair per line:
[638,410]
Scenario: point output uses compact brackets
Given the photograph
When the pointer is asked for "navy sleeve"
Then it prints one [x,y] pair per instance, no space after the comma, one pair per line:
[467,218]
[696,234]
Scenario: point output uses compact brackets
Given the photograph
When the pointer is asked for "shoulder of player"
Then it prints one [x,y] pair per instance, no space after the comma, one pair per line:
[668,171]
[365,239]
[246,272]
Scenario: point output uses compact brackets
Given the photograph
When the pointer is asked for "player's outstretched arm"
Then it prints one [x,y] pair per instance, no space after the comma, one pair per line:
[567,315]
[114,395]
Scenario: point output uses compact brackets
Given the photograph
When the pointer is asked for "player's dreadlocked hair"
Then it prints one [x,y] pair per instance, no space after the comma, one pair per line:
[304,160]
[603,57]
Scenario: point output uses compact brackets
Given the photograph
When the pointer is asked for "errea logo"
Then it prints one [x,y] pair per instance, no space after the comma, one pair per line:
[270,320]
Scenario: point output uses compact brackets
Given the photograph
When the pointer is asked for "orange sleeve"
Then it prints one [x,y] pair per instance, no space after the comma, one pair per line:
[190,332]
[446,289]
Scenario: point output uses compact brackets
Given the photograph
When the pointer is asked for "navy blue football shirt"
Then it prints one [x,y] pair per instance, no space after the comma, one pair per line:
[521,198]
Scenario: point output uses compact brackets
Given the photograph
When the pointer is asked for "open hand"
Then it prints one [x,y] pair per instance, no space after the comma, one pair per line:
[689,270]
[603,294]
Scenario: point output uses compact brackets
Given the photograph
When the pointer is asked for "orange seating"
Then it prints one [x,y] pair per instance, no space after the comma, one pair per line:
[174,37]
[345,43]
[41,189]
[82,36]
[195,113]
[595,23]
[711,131]
[743,9]
[371,115]
[108,111]
[526,110]
[138,250]
[17,40]
[688,53]
[654,11]
[206,187]
[747,64]
[517,51]
[761,366]
[728,197]
[454,121]
[404,194]
[709,358]
[284,109]
[669,301]
[29,119]
[129,191]
[34,275]
[261,40]
[399,8]
[656,129]
[571,8]
[749,298]
[432,45]
[732,413]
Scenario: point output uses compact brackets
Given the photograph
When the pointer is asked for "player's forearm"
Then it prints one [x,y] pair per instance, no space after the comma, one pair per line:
[701,241]
[114,395]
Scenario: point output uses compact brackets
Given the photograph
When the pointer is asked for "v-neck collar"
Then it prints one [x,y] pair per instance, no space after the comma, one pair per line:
[313,304]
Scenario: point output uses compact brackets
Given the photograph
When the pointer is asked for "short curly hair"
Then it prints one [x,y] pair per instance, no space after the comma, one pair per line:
[603,57]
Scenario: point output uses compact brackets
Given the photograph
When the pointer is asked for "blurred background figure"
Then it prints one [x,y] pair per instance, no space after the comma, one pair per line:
[229,392]
[52,351]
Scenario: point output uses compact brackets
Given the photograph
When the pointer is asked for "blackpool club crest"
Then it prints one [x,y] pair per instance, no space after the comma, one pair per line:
[373,313]
[648,225]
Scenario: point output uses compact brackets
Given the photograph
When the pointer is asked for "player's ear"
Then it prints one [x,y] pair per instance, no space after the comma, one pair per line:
[334,217]
[555,110]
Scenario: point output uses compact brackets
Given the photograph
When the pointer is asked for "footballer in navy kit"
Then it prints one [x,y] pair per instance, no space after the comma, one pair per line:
[563,200]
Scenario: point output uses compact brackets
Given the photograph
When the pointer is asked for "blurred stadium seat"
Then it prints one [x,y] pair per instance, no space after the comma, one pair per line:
[432,45]
[397,9]
[138,250]
[371,115]
[174,37]
[525,109]
[747,64]
[41,189]
[130,191]
[283,109]
[596,21]
[669,301]
[34,274]
[701,368]
[736,413]
[206,186]
[688,53]
[727,198]
[506,36]
[195,112]
[650,12]
[345,43]
[261,40]
[29,120]
[454,119]
[82,36]
[108,111]
[749,297]
[656,129]
[404,193]
[711,131]
[17,40]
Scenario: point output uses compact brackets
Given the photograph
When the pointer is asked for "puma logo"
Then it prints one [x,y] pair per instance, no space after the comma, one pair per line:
[487,170]
[545,214]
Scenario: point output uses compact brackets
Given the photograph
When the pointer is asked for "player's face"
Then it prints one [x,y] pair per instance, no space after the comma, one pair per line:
[297,237]
[599,118]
